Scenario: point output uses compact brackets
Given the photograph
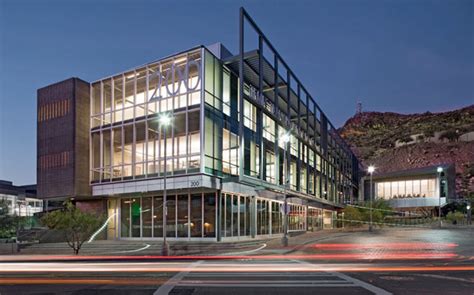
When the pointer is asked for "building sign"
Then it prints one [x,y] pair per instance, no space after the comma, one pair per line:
[172,79]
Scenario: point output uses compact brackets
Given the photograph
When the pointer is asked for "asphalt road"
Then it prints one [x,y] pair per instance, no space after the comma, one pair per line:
[385,262]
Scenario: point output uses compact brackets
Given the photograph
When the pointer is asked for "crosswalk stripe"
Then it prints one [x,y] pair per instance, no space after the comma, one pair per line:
[266,282]
[275,284]
[233,275]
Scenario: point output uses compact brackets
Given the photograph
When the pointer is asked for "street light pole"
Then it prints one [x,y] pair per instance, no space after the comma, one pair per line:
[439,170]
[469,218]
[285,138]
[371,170]
[165,249]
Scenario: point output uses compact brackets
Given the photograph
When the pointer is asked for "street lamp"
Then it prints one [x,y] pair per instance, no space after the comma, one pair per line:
[439,170]
[165,121]
[469,218]
[371,170]
[285,138]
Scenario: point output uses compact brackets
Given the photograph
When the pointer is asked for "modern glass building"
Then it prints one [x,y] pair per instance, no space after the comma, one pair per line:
[421,190]
[244,136]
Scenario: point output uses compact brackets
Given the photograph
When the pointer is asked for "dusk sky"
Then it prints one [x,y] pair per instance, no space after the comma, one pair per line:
[398,56]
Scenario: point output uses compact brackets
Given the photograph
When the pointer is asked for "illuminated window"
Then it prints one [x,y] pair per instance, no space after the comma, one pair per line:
[270,167]
[250,115]
[269,128]
[226,93]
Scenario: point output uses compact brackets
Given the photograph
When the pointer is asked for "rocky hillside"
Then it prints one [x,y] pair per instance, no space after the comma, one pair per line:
[394,141]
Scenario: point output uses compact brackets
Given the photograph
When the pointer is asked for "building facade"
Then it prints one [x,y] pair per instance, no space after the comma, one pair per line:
[228,169]
[21,200]
[421,190]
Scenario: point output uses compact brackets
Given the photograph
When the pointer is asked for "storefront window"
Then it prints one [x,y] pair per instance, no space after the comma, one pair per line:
[135,215]
[196,216]
[242,215]
[235,216]
[158,217]
[183,215]
[228,216]
[262,217]
[125,218]
[209,215]
[277,218]
[171,217]
[146,216]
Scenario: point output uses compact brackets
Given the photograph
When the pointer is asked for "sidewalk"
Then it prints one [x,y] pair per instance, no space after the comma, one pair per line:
[121,248]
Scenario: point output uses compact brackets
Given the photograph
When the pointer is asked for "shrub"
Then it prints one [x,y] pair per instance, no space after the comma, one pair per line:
[9,223]
[455,217]
[450,135]
[353,214]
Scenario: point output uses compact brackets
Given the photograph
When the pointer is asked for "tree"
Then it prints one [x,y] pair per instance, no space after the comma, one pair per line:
[455,217]
[77,226]
[9,223]
[380,209]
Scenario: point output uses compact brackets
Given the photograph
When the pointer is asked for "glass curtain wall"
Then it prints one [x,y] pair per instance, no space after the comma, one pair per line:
[127,140]
[213,121]
[236,215]
[297,218]
[189,216]
[413,188]
[278,98]
[315,219]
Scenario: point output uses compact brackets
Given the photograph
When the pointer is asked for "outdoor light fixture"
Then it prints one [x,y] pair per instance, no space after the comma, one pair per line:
[468,207]
[285,137]
[439,169]
[165,119]
[371,169]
